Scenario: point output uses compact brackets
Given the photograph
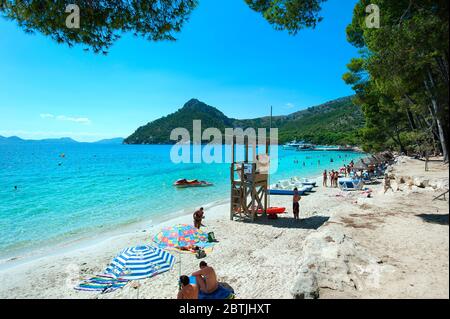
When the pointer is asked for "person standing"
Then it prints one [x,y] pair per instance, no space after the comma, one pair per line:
[387,184]
[325,178]
[296,204]
[332,178]
[198,217]
[335,178]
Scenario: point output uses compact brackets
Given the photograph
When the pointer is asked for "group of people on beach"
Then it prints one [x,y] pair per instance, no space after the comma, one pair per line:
[205,282]
[333,175]
[205,278]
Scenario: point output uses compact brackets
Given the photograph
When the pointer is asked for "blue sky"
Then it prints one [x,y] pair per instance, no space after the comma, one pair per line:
[227,56]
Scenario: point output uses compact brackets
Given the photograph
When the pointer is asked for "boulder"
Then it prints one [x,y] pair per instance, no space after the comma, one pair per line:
[331,259]
[305,287]
[421,182]
[439,184]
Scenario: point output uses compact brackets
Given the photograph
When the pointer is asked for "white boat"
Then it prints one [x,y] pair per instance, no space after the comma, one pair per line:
[294,145]
[291,184]
[305,147]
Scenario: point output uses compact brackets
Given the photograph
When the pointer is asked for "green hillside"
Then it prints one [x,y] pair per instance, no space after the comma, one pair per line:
[335,122]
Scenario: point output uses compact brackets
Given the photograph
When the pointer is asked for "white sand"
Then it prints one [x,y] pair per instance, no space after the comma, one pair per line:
[260,260]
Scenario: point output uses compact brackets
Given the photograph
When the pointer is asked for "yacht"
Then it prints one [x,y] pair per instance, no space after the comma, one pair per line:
[293,145]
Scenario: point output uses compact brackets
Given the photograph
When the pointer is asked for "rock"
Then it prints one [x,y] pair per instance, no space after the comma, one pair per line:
[421,182]
[439,184]
[305,287]
[331,260]
[400,179]
[410,182]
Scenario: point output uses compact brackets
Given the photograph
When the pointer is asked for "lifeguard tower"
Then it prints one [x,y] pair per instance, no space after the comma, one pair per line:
[249,183]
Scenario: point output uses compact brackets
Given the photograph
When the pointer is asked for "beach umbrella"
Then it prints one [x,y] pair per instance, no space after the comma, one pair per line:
[140,262]
[180,236]
[360,165]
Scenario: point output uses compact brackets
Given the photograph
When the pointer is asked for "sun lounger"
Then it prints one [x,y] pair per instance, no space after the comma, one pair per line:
[349,184]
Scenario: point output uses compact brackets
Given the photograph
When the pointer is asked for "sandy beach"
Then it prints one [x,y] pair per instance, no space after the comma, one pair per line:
[393,245]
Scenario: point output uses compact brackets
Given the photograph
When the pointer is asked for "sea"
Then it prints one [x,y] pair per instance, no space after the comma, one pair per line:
[52,194]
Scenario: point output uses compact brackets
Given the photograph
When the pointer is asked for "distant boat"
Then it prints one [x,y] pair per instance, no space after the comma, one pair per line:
[292,145]
[305,147]
[298,146]
[184,183]
[335,148]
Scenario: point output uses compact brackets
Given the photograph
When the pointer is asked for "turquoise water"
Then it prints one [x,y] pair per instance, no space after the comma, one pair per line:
[97,188]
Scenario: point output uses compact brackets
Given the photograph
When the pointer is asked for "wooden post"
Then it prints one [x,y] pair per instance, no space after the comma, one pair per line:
[232,179]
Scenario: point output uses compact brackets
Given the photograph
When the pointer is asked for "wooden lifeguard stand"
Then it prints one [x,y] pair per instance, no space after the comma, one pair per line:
[249,185]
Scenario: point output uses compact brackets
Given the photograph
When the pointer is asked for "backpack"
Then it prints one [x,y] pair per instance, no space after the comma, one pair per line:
[211,238]
[200,254]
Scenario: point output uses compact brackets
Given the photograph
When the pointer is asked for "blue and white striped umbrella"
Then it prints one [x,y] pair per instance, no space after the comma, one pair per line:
[140,262]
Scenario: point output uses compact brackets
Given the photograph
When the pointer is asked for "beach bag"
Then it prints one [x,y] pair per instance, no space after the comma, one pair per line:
[211,238]
[200,254]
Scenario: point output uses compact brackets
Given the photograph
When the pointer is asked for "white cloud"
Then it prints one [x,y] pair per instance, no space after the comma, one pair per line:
[47,116]
[290,105]
[81,120]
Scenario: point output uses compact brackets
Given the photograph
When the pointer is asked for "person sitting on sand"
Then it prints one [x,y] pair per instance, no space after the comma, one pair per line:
[325,178]
[296,205]
[187,290]
[198,216]
[192,249]
[206,278]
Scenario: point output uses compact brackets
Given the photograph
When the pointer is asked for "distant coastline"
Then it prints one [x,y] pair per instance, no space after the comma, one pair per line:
[62,140]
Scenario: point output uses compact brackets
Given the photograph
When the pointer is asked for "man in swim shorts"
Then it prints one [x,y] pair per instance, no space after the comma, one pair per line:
[206,278]
[198,216]
[296,205]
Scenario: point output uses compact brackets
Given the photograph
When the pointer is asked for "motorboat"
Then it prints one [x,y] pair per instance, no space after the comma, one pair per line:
[185,183]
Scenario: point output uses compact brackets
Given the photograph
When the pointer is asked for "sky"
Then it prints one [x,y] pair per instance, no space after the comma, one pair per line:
[226,55]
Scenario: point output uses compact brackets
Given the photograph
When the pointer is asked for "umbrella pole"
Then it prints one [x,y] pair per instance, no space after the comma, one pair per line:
[179,270]
[179,260]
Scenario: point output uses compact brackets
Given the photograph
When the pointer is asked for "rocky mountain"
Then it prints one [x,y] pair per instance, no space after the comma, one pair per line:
[334,122]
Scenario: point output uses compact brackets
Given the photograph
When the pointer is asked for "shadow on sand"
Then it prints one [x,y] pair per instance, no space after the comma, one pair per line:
[434,218]
[314,222]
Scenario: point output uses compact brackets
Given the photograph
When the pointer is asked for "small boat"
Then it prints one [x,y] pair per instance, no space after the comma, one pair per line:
[306,181]
[305,147]
[273,210]
[290,185]
[285,192]
[184,183]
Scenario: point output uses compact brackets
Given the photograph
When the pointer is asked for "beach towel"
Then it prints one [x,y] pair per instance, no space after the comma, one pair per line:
[221,293]
[205,246]
[102,283]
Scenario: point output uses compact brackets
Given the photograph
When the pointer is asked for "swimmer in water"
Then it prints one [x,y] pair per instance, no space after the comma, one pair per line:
[15,187]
